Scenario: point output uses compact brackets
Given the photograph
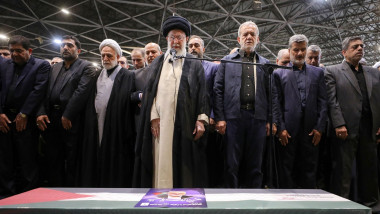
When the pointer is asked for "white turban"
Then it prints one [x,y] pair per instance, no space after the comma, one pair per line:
[111,43]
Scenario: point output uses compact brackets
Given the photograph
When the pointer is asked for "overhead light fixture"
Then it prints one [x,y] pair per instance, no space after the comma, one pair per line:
[2,36]
[65,11]
[58,41]
[256,5]
[95,64]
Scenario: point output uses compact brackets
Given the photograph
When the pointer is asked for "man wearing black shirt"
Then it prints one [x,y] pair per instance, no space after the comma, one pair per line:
[23,81]
[60,117]
[354,104]
[241,110]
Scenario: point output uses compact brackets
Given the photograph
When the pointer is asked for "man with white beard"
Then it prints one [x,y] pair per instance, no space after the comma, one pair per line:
[174,112]
[108,144]
[241,110]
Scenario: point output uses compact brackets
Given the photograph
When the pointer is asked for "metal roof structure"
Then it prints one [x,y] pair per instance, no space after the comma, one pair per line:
[135,23]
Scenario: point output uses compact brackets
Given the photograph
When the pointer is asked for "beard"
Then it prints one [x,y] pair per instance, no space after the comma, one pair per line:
[296,61]
[196,54]
[245,48]
[180,50]
[111,65]
[67,56]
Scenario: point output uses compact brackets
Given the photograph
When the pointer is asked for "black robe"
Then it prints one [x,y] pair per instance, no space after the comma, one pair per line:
[111,164]
[189,159]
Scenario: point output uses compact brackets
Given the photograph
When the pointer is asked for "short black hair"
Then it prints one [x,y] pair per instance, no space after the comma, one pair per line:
[4,48]
[21,40]
[77,43]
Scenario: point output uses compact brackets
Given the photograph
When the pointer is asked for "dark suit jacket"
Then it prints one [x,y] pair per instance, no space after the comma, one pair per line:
[227,90]
[31,84]
[75,89]
[141,78]
[289,100]
[345,99]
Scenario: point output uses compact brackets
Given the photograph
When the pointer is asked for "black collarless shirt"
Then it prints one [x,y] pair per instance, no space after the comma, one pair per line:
[301,82]
[110,71]
[247,90]
[366,108]
[59,81]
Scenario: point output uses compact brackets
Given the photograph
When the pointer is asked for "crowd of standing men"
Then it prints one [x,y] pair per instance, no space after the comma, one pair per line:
[179,120]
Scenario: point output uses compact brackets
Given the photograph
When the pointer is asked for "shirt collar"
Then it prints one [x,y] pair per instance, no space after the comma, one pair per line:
[244,54]
[360,68]
[295,68]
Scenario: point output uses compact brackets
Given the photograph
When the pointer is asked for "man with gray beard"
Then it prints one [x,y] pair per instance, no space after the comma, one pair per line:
[174,109]
[108,143]
[241,110]
[301,95]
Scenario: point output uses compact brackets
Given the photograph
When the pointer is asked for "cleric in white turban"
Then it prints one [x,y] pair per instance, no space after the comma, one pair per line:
[108,147]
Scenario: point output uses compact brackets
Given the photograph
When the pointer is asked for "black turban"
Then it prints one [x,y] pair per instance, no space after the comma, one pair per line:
[176,22]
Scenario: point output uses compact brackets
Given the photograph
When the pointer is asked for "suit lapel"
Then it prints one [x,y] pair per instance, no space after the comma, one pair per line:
[8,76]
[368,81]
[69,74]
[25,70]
[293,80]
[54,74]
[307,80]
[347,72]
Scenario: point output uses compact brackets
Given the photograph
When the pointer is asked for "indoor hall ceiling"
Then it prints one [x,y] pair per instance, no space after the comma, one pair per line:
[135,23]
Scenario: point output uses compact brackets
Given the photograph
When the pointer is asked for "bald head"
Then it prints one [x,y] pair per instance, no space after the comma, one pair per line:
[152,50]
[283,57]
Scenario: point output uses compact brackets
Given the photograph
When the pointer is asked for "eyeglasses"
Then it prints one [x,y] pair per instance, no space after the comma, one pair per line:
[122,62]
[196,45]
[356,46]
[70,45]
[179,38]
[5,54]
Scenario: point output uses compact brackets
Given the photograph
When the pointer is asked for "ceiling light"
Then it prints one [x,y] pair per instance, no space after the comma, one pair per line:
[95,64]
[2,36]
[58,41]
[65,11]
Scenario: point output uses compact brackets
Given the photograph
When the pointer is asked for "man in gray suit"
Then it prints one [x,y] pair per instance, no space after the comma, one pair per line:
[152,51]
[60,117]
[354,105]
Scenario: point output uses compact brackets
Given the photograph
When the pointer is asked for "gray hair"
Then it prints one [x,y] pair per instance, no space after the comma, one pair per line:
[346,42]
[315,48]
[155,44]
[298,38]
[247,23]
[197,37]
[141,50]
[281,53]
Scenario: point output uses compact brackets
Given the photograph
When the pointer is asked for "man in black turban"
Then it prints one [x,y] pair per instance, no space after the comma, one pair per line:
[174,113]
